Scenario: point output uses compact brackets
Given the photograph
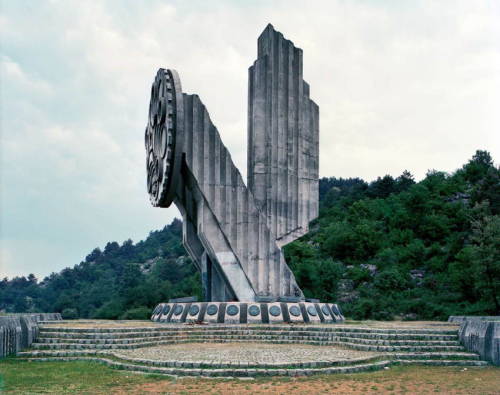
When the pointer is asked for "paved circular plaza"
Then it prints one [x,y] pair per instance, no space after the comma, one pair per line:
[251,353]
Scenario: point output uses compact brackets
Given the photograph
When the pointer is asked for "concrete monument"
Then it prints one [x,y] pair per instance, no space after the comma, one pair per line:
[234,233]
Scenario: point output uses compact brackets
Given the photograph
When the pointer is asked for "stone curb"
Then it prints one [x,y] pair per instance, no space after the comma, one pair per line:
[111,340]
[361,347]
[382,336]
[288,328]
[260,372]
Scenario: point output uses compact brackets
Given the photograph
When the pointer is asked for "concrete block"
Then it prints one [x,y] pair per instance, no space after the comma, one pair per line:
[336,312]
[254,313]
[178,311]
[275,313]
[155,316]
[325,312]
[212,313]
[310,313]
[294,312]
[194,312]
[233,312]
[166,312]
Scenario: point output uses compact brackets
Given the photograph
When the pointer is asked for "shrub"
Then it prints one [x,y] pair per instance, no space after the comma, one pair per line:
[138,313]
[69,314]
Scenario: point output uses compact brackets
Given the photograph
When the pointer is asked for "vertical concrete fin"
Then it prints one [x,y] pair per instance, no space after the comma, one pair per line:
[283,180]
[222,186]
[206,151]
[250,116]
[211,163]
[188,127]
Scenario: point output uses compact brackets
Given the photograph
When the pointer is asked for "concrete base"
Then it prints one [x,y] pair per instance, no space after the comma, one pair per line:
[482,337]
[248,312]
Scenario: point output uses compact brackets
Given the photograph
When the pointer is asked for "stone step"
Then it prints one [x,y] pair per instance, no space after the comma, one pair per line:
[356,346]
[433,355]
[439,362]
[287,328]
[396,356]
[204,364]
[227,372]
[254,372]
[256,336]
[128,335]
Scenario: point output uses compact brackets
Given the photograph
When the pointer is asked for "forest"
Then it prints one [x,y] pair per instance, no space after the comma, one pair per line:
[389,249]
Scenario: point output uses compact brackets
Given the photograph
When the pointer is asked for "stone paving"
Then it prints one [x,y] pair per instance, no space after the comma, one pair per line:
[251,353]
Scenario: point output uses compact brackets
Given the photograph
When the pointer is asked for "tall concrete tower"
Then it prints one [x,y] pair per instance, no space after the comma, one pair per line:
[283,138]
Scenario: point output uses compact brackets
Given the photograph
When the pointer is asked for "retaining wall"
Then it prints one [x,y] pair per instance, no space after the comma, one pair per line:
[19,331]
[482,337]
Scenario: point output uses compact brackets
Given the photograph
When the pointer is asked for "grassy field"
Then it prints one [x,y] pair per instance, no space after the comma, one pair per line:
[22,377]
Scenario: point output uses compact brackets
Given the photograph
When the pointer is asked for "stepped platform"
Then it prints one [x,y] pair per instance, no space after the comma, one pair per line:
[248,350]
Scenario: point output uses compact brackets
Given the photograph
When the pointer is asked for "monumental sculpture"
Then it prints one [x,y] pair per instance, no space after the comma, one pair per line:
[234,232]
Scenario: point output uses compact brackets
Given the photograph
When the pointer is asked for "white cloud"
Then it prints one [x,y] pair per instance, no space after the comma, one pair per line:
[400,85]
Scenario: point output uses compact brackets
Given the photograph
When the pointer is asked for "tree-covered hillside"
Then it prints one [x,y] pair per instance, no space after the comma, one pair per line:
[387,249]
[124,281]
[396,248]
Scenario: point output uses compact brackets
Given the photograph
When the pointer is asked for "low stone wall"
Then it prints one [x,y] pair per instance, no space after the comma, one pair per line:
[462,318]
[482,337]
[19,331]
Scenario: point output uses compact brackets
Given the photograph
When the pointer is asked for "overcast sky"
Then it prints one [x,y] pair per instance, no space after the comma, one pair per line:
[401,85]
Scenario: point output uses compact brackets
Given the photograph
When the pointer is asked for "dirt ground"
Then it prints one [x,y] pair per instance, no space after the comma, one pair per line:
[399,380]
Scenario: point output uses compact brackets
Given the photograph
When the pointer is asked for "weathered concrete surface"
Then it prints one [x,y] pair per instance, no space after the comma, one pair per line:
[224,231]
[462,318]
[234,233]
[283,138]
[482,337]
[19,331]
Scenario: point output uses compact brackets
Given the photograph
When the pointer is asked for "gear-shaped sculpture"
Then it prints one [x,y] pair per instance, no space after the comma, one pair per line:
[163,137]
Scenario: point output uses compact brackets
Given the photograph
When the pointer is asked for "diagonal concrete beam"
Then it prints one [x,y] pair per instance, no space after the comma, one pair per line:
[225,232]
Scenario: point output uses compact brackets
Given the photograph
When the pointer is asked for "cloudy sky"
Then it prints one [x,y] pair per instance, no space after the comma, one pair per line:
[400,84]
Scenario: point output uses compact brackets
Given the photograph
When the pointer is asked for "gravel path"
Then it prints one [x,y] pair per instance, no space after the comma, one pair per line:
[248,352]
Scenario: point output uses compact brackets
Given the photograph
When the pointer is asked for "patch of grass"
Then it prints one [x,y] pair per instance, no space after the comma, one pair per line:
[66,377]
[20,377]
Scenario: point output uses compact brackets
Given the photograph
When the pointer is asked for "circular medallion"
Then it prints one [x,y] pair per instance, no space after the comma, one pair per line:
[212,309]
[232,310]
[312,310]
[166,309]
[295,311]
[178,309]
[194,309]
[254,310]
[275,311]
[324,309]
[163,137]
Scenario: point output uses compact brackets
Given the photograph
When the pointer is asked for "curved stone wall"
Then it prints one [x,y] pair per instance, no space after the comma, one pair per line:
[482,337]
[19,331]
